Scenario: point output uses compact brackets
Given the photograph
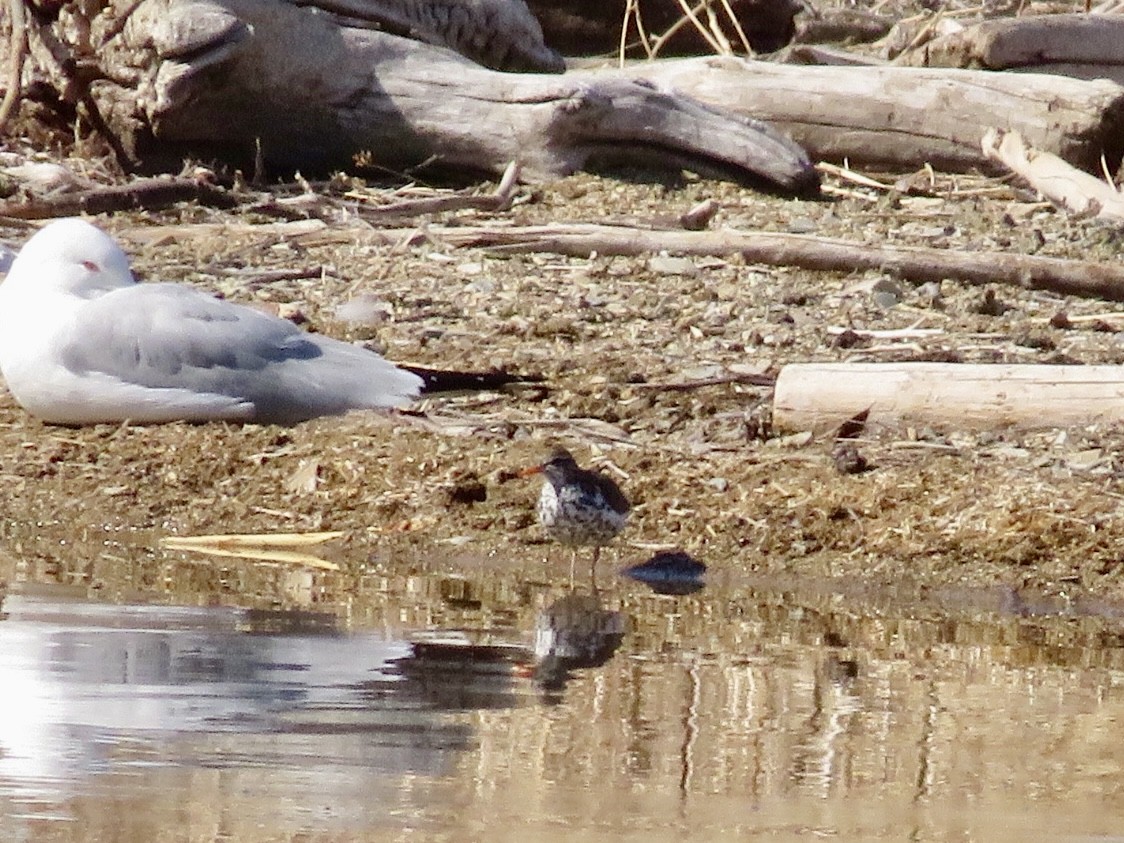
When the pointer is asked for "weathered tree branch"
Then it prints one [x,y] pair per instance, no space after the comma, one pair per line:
[913,263]
[501,34]
[1079,45]
[17,52]
[1074,190]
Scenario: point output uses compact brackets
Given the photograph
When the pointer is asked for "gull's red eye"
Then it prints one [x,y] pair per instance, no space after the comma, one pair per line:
[90,266]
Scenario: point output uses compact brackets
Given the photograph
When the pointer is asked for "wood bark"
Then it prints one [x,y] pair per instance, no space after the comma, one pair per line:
[1089,46]
[501,34]
[947,396]
[904,117]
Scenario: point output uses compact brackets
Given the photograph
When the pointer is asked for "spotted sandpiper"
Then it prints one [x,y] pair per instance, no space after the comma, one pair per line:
[577,506]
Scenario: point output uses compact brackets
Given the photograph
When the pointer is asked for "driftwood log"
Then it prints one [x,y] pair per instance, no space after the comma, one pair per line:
[1076,191]
[1082,46]
[305,87]
[904,117]
[948,396]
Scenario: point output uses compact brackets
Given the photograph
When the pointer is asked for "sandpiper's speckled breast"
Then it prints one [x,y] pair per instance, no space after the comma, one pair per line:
[578,516]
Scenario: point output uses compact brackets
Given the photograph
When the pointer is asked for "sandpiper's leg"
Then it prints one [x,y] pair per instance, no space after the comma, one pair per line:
[593,567]
[573,561]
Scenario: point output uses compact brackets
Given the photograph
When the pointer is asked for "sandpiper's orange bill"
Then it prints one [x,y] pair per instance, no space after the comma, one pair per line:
[529,472]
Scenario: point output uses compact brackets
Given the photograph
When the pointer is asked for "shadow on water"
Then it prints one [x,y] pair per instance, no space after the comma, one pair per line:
[467,698]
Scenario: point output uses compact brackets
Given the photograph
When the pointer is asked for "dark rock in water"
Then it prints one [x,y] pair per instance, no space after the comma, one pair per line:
[669,572]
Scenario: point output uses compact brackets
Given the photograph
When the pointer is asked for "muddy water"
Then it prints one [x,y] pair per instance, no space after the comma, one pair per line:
[466,701]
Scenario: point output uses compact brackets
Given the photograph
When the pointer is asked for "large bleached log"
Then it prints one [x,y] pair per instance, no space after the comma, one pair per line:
[947,396]
[221,79]
[904,117]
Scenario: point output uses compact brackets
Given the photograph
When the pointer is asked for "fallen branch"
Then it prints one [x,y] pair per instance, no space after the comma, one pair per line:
[264,547]
[325,206]
[1067,187]
[145,194]
[1082,45]
[699,383]
[892,334]
[916,264]
[500,200]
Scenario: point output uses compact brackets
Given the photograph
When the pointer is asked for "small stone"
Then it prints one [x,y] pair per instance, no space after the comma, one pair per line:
[795,440]
[990,305]
[292,312]
[848,339]
[363,310]
[1061,321]
[930,292]
[848,460]
[886,293]
[671,265]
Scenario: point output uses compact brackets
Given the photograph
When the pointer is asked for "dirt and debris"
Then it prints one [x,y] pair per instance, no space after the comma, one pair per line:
[644,361]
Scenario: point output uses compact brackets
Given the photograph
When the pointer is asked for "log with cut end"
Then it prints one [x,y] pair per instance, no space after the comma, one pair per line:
[947,396]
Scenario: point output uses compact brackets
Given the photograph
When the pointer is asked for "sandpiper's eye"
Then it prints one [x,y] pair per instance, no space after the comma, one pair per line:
[90,266]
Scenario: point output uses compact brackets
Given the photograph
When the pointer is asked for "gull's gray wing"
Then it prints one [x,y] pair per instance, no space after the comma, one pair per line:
[169,336]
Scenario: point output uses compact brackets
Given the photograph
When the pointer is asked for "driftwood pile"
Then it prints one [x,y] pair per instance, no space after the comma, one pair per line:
[313,85]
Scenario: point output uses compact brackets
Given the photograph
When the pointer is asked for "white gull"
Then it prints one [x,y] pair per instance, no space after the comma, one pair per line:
[82,342]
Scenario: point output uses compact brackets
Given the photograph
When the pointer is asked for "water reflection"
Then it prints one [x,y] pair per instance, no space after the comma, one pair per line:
[508,708]
[465,668]
[119,690]
[576,631]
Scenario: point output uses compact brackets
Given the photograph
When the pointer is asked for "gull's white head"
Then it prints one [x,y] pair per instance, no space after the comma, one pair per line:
[71,256]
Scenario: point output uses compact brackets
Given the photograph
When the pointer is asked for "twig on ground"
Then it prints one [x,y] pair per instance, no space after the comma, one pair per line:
[144,194]
[699,383]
